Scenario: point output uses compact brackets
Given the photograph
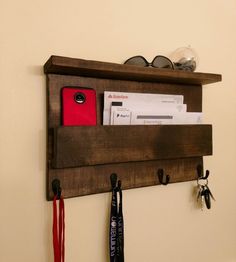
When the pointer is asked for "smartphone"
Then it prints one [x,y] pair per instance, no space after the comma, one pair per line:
[78,106]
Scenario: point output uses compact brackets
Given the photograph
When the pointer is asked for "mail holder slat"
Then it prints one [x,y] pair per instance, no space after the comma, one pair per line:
[86,146]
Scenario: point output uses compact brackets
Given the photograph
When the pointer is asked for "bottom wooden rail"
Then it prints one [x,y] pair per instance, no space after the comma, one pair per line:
[88,180]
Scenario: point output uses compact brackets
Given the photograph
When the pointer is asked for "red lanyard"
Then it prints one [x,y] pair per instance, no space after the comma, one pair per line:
[59,230]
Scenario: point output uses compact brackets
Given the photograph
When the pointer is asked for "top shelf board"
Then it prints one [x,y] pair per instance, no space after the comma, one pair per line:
[80,67]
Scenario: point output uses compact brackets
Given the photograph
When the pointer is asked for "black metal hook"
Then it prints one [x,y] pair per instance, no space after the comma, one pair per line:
[113,178]
[200,172]
[161,175]
[56,188]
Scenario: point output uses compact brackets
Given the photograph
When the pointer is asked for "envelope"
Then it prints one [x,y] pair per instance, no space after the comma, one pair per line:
[130,116]
[167,118]
[120,116]
[135,100]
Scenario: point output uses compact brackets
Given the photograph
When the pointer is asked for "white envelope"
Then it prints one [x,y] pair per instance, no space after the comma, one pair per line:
[135,100]
[189,118]
[126,116]
[171,118]
[120,116]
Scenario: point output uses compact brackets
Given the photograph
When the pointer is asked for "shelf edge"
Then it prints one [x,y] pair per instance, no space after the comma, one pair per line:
[90,68]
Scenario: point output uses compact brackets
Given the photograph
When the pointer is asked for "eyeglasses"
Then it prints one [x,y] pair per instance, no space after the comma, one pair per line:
[159,62]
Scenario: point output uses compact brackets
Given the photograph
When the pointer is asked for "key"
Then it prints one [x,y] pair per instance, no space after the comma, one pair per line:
[210,192]
[200,195]
[207,197]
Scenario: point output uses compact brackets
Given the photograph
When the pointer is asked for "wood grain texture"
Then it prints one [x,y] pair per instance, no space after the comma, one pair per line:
[192,93]
[73,66]
[103,158]
[85,146]
[88,180]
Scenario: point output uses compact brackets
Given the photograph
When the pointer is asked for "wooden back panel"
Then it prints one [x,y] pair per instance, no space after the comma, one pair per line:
[84,166]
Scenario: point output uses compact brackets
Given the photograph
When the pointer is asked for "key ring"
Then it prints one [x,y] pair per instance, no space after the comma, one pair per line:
[205,182]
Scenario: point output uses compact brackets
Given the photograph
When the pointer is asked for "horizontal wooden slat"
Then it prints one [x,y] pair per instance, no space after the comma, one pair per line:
[86,146]
[81,181]
[81,67]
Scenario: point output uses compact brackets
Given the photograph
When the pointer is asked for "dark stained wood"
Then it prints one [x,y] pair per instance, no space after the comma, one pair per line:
[86,146]
[88,180]
[81,67]
[179,161]
[192,93]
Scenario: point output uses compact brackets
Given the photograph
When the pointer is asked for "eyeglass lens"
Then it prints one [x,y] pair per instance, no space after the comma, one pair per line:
[162,62]
[137,60]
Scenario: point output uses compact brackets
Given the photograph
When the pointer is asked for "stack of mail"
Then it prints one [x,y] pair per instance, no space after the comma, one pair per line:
[122,108]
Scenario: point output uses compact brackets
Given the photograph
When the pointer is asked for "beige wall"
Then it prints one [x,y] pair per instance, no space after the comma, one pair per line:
[161,223]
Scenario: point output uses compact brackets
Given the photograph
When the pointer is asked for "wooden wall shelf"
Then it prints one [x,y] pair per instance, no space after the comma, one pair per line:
[81,67]
[83,158]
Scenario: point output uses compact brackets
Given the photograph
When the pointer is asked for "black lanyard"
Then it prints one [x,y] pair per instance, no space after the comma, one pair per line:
[120,227]
[116,223]
[113,220]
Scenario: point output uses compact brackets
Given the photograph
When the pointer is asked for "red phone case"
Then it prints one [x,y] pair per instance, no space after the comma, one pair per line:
[78,106]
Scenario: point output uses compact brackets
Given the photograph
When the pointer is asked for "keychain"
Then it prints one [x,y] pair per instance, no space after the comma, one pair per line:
[204,193]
